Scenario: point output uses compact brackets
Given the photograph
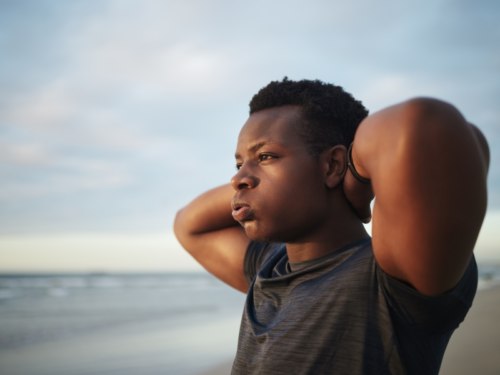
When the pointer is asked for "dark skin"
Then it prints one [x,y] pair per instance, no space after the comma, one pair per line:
[428,168]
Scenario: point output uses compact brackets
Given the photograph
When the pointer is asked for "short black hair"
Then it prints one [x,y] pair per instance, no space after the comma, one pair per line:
[330,116]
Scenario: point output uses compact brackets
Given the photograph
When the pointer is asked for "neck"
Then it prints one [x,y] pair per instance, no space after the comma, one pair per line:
[340,228]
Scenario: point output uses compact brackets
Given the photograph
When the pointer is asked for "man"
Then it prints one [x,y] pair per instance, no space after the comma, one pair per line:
[324,298]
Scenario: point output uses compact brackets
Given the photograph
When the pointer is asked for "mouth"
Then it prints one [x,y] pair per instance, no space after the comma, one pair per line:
[241,210]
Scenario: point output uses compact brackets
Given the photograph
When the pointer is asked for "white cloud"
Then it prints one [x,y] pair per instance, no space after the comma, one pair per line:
[43,108]
[63,175]
[25,153]
[386,89]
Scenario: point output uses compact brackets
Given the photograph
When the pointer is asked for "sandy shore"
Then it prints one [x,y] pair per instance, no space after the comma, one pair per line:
[474,348]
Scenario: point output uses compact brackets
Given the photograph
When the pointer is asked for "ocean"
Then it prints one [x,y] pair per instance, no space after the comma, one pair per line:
[116,324]
[144,324]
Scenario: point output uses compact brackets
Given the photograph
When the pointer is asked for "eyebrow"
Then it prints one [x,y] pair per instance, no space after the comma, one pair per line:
[259,145]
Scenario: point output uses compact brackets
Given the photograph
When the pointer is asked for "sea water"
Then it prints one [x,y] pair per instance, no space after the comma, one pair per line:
[116,324]
[123,324]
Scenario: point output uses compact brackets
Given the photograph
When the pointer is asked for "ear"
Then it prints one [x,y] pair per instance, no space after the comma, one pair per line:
[335,165]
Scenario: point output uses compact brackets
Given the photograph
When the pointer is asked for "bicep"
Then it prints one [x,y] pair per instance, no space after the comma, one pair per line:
[430,184]
[220,252]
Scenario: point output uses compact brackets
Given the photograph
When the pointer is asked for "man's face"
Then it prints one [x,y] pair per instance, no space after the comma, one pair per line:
[280,190]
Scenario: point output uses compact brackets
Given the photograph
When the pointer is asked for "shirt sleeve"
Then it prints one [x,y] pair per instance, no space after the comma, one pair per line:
[257,253]
[430,314]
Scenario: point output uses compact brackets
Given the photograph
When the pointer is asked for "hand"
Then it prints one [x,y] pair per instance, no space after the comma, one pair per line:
[359,196]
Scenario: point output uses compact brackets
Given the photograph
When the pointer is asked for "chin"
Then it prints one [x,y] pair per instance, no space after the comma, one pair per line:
[256,233]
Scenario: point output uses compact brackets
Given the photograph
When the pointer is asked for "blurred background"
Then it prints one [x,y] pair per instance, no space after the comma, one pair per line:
[115,114]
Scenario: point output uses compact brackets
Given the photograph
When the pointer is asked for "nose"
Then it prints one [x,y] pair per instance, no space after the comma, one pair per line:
[243,179]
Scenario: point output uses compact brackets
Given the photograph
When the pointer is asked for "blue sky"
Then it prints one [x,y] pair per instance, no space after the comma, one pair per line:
[114,114]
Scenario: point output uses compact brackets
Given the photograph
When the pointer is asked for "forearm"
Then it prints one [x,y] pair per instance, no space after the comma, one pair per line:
[209,212]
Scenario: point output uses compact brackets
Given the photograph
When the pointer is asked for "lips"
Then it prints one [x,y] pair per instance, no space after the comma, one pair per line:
[241,210]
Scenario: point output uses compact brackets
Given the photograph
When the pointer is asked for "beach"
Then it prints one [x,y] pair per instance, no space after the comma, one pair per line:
[475,346]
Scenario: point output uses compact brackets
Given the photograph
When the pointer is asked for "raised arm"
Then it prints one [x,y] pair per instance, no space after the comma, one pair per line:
[207,230]
[428,170]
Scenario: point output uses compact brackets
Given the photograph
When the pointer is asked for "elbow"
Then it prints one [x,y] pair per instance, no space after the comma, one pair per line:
[427,106]
[427,125]
[182,230]
[429,116]
[179,226]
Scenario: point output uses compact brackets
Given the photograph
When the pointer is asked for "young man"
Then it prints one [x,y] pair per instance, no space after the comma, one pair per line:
[324,298]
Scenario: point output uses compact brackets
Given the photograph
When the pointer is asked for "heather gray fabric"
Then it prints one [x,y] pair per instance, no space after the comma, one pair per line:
[341,314]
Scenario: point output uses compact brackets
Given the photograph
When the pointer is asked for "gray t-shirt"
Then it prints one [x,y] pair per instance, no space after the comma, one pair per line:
[341,314]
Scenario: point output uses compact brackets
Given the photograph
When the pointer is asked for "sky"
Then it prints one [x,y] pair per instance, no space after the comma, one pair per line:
[115,114]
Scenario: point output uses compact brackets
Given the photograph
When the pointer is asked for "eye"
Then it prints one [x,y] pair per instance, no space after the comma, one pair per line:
[238,167]
[264,157]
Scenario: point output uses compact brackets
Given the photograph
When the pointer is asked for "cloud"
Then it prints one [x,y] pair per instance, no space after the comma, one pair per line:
[24,153]
[44,108]
[65,176]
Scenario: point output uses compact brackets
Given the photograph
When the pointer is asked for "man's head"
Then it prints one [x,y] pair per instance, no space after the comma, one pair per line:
[329,116]
[291,159]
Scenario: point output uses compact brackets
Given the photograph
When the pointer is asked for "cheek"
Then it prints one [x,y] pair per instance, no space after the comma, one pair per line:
[296,190]
[298,205]
[293,203]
